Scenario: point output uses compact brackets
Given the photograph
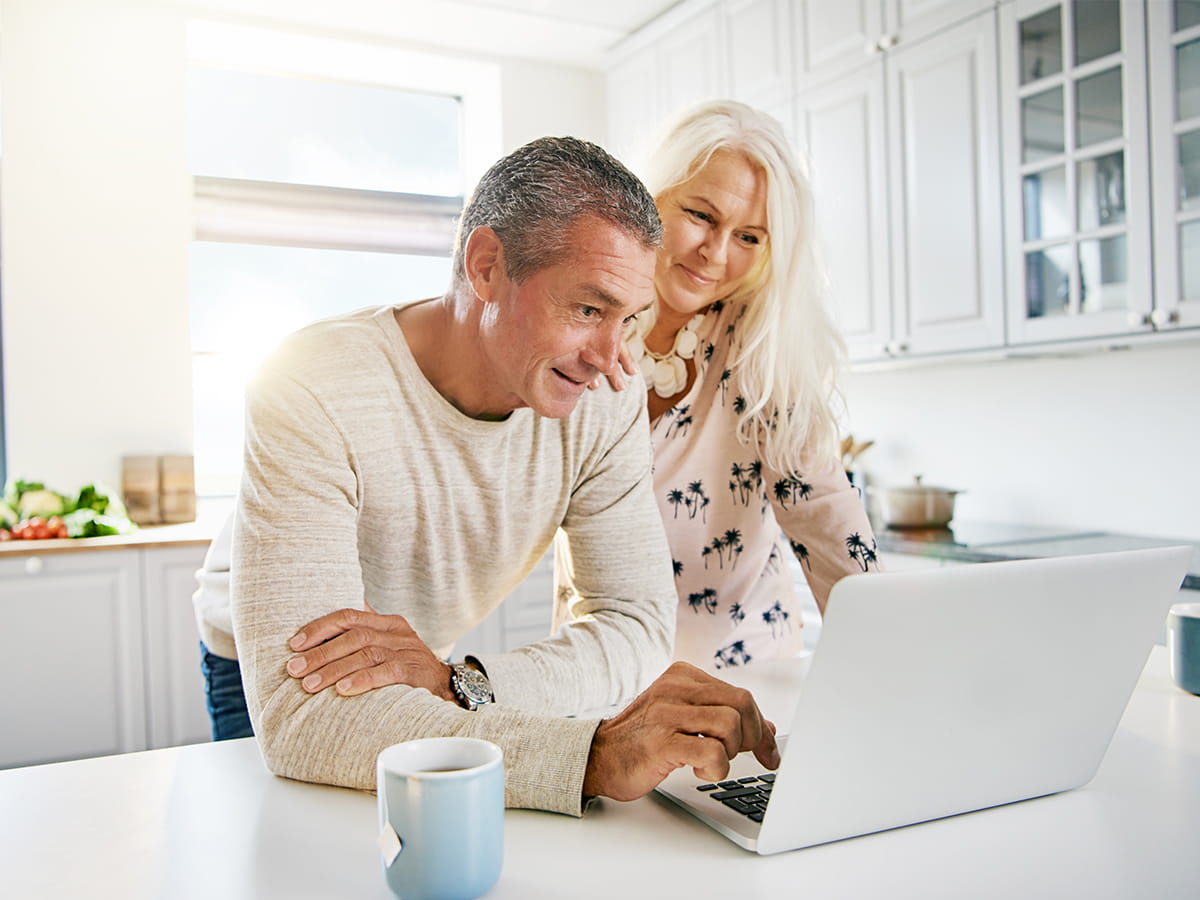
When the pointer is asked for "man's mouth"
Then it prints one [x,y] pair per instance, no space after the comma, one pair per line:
[568,378]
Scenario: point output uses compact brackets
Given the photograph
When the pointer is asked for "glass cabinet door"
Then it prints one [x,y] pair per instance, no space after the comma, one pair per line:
[1174,40]
[1077,179]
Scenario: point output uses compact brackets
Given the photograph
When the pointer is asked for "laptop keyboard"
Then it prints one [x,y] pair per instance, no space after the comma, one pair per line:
[747,796]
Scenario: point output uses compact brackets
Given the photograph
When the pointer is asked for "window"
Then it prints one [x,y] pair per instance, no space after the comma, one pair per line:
[328,177]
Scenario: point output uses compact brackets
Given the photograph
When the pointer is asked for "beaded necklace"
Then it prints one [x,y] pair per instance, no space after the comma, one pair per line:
[666,373]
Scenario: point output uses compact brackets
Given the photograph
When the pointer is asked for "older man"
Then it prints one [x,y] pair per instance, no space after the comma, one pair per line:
[407,467]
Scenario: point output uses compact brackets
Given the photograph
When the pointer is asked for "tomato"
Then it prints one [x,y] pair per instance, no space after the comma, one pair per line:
[34,528]
[5,534]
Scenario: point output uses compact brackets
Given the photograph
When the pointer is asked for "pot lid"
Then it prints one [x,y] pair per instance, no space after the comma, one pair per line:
[917,487]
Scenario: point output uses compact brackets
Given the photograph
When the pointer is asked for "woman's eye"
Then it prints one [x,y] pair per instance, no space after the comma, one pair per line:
[750,239]
[697,214]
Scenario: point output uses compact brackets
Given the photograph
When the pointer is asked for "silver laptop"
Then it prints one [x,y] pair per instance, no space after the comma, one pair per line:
[943,691]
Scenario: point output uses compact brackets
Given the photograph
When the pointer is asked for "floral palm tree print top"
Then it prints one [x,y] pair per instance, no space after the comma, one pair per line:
[731,520]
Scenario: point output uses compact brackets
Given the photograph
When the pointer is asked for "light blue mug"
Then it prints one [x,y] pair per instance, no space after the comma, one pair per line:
[1183,645]
[441,817]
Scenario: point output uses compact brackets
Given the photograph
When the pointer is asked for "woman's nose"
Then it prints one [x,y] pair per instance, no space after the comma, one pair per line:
[715,248]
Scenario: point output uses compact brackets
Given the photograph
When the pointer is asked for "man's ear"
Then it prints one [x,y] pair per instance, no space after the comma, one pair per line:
[483,262]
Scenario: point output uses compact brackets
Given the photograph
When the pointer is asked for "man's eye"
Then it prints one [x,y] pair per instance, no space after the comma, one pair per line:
[630,318]
[589,311]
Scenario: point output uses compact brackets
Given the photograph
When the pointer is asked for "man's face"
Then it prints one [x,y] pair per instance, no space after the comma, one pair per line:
[549,337]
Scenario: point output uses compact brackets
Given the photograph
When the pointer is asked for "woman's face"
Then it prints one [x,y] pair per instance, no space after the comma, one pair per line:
[714,230]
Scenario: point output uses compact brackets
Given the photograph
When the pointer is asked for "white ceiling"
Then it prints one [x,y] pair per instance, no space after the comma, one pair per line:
[570,32]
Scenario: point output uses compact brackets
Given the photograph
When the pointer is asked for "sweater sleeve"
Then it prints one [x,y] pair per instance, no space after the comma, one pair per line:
[616,621]
[295,558]
[825,522]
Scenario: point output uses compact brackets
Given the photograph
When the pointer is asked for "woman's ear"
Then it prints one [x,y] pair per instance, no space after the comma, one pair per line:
[483,262]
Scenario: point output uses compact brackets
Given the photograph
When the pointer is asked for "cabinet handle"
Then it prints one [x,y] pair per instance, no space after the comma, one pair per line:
[1138,320]
[1161,317]
[34,565]
[895,348]
[888,41]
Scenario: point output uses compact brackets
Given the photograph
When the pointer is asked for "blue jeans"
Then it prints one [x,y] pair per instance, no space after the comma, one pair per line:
[226,699]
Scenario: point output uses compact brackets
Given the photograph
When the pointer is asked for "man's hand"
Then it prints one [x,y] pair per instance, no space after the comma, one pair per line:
[686,718]
[616,378]
[359,650]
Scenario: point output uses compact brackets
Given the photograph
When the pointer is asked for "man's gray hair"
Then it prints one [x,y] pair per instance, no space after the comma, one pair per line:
[532,198]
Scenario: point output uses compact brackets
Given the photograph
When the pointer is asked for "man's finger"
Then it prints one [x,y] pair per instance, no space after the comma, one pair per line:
[329,626]
[320,630]
[705,755]
[687,684]
[349,641]
[719,723]
[767,751]
[316,676]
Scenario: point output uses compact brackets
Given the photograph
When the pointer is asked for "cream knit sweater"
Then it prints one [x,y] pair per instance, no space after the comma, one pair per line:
[362,482]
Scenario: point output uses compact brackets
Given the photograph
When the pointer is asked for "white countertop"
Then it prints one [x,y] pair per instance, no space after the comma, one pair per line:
[209,821]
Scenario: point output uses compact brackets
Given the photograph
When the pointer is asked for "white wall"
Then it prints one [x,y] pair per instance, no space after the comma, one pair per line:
[95,207]
[548,100]
[96,222]
[1105,442]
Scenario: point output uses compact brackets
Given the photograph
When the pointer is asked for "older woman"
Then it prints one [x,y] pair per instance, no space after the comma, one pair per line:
[740,358]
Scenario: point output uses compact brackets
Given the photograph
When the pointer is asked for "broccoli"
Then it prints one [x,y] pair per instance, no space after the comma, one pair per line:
[102,499]
[89,523]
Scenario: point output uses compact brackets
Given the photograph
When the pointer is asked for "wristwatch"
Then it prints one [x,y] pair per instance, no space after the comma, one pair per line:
[470,686]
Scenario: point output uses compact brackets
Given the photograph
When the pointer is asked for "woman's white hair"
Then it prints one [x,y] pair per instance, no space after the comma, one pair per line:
[790,352]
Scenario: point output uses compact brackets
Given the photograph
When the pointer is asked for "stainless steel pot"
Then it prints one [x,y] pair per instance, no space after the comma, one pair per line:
[916,505]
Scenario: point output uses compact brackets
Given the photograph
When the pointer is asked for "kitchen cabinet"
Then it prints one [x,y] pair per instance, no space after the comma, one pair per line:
[690,64]
[633,106]
[99,652]
[653,81]
[1173,38]
[834,38]
[757,37]
[845,125]
[1077,174]
[905,153]
[176,709]
[71,657]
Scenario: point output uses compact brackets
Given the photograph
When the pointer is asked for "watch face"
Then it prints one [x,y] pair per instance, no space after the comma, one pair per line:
[473,685]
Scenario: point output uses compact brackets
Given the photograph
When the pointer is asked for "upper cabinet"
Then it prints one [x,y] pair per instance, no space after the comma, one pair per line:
[690,64]
[844,124]
[757,36]
[906,160]
[633,106]
[757,39]
[835,38]
[1077,174]
[1173,38]
[658,77]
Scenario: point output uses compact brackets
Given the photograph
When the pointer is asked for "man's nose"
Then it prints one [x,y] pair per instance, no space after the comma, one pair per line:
[604,348]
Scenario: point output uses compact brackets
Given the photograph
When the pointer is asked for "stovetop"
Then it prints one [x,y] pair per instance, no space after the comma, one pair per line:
[969,541]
